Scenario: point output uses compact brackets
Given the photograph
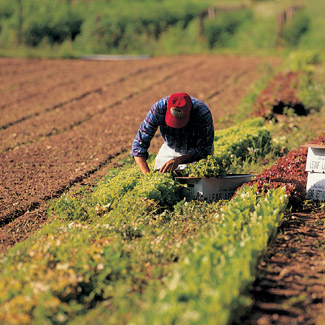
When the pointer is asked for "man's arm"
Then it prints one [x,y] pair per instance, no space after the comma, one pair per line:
[144,135]
[142,164]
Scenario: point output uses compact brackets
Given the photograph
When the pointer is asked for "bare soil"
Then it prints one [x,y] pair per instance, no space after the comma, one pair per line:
[290,285]
[66,122]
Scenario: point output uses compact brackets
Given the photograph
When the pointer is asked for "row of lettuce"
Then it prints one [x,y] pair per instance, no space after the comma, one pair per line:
[208,284]
[133,251]
[247,140]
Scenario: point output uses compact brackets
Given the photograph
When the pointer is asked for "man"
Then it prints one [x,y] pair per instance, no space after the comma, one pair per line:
[186,127]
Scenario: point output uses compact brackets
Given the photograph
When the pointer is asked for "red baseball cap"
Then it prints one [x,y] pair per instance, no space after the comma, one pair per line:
[178,110]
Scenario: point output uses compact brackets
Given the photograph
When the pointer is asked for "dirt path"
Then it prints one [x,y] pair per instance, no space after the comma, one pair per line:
[290,287]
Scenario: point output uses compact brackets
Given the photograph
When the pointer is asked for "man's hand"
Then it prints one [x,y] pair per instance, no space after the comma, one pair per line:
[169,166]
[172,164]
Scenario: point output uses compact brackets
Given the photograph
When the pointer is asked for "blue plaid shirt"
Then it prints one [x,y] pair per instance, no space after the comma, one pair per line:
[196,138]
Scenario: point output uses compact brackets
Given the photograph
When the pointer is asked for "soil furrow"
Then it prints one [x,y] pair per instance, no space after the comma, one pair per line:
[103,103]
[13,213]
[230,80]
[54,81]
[51,74]
[99,89]
[289,288]
[22,68]
[45,97]
[56,71]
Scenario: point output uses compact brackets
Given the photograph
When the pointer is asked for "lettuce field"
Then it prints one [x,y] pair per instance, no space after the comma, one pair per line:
[86,238]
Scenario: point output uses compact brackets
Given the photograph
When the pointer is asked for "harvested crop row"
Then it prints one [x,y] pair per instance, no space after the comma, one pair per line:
[90,105]
[83,109]
[52,73]
[240,142]
[67,86]
[20,69]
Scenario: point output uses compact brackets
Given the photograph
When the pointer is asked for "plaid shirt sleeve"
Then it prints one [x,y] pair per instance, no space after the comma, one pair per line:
[148,128]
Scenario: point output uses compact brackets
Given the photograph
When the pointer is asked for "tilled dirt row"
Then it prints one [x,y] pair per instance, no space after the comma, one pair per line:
[83,109]
[290,286]
[60,87]
[19,69]
[92,104]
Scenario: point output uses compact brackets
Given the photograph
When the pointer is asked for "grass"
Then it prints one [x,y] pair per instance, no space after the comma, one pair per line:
[256,37]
